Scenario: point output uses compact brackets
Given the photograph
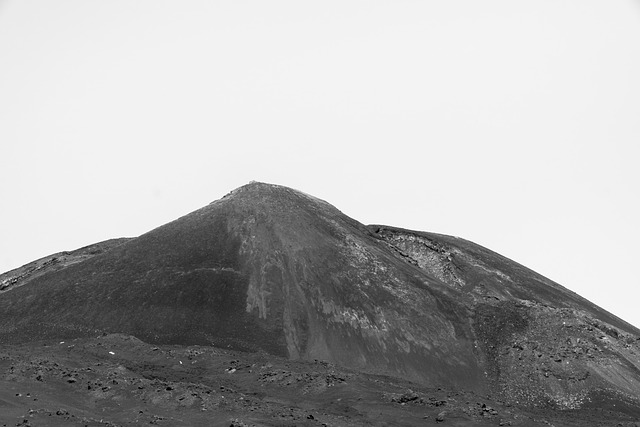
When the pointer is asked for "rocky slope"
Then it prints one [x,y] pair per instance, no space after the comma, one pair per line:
[118,380]
[542,345]
[273,270]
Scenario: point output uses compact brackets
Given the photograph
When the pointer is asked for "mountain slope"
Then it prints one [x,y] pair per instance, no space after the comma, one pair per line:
[265,268]
[541,343]
[485,274]
[268,268]
[23,275]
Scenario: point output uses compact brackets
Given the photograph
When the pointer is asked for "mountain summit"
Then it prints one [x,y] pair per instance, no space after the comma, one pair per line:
[274,270]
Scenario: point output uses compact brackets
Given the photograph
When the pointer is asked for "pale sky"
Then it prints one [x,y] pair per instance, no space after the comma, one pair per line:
[514,124]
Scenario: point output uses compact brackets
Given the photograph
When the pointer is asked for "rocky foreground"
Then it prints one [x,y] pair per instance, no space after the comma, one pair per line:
[118,380]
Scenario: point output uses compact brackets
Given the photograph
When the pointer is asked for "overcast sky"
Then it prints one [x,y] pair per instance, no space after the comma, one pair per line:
[514,124]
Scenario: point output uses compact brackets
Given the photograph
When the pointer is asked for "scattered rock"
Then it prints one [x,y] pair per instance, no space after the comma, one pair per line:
[409,396]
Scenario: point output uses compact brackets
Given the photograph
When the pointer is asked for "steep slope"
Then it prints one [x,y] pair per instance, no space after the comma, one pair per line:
[485,274]
[543,344]
[271,269]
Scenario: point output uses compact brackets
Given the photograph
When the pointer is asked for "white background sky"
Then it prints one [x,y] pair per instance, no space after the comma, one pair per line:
[514,124]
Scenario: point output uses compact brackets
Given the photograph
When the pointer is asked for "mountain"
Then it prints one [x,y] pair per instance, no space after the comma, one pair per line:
[272,270]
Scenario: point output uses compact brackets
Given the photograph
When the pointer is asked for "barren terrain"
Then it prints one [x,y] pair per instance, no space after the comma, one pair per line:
[271,307]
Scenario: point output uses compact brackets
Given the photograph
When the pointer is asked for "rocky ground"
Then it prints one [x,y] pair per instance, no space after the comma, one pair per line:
[118,380]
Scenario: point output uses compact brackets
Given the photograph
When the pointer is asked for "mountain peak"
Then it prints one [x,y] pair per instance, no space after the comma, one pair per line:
[262,191]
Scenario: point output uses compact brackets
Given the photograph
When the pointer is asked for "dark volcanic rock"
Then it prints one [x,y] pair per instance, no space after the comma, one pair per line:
[271,269]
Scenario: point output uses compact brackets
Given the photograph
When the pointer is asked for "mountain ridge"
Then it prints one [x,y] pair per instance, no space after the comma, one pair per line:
[447,242]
